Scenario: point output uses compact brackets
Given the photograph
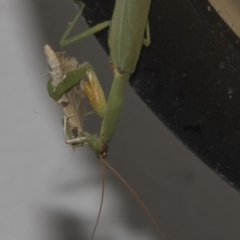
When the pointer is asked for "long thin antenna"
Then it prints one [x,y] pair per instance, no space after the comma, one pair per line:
[137,198]
[102,197]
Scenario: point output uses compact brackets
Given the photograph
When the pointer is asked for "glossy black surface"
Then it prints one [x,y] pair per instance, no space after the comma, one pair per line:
[190,78]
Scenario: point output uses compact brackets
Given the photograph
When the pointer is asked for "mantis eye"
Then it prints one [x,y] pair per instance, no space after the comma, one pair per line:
[104,150]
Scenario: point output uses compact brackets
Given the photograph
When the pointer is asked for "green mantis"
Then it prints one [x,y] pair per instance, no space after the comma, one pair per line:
[126,37]
[69,82]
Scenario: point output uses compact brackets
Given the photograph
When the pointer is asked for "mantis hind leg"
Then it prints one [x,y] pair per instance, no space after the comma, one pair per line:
[147,39]
[65,41]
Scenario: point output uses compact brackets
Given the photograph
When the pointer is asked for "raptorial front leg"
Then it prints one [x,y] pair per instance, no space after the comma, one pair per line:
[95,94]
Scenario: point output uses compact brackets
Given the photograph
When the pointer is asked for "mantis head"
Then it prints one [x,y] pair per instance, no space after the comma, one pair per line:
[99,146]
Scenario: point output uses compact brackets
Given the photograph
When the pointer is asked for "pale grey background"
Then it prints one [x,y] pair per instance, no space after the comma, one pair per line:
[49,192]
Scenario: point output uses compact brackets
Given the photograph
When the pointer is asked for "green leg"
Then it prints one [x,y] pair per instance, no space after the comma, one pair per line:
[147,40]
[71,79]
[65,42]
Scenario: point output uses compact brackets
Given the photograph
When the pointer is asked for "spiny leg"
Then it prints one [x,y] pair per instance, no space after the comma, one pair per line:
[95,94]
[91,87]
[65,42]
